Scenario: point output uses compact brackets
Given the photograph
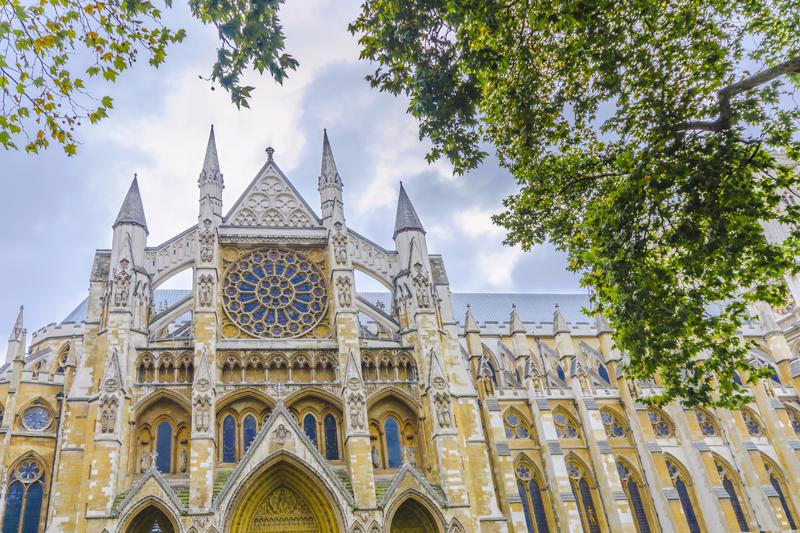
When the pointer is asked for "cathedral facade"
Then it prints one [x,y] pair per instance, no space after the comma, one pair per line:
[275,397]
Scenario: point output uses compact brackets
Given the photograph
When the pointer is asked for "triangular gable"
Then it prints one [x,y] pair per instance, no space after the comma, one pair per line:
[272,201]
[153,484]
[281,434]
[112,374]
[410,478]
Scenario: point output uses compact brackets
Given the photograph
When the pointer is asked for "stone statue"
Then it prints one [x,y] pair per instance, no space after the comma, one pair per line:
[443,415]
[122,285]
[108,414]
[343,291]
[411,455]
[376,457]
[202,414]
[339,245]
[144,461]
[205,290]
[182,460]
[422,287]
[356,414]
[206,239]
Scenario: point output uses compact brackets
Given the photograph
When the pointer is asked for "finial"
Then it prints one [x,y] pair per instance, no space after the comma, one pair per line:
[270,153]
[513,305]
[555,305]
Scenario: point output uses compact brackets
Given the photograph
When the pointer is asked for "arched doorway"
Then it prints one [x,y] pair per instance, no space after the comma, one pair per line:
[151,519]
[284,497]
[413,517]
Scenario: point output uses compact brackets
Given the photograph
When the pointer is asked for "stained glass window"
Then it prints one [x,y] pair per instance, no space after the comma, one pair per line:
[24,499]
[612,425]
[566,428]
[249,431]
[310,427]
[515,427]
[752,423]
[662,427]
[164,447]
[706,422]
[634,498]
[274,294]
[394,448]
[229,440]
[683,496]
[331,439]
[560,373]
[583,495]
[604,373]
[727,484]
[795,420]
[36,418]
[532,501]
[778,486]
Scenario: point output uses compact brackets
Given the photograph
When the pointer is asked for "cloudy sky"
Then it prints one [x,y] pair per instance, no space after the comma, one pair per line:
[57,210]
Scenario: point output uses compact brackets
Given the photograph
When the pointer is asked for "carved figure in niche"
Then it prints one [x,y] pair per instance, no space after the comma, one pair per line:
[205,290]
[376,457]
[411,455]
[144,461]
[154,460]
[343,291]
[122,284]
[280,435]
[339,245]
[108,414]
[356,411]
[182,460]
[443,415]
[422,287]
[206,239]
[202,414]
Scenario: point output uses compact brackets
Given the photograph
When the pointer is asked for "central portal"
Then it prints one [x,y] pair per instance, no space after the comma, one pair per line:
[283,511]
[285,497]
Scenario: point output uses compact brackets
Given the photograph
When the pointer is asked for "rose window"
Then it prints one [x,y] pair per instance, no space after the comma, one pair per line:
[36,418]
[272,293]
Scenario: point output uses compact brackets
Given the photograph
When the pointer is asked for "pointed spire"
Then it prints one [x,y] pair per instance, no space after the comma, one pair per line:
[515,322]
[211,162]
[18,326]
[470,325]
[406,218]
[132,210]
[328,175]
[559,323]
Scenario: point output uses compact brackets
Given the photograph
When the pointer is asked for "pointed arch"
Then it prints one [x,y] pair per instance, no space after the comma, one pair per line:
[584,491]
[413,511]
[732,485]
[613,423]
[226,400]
[794,417]
[638,496]
[752,422]
[517,425]
[662,424]
[778,481]
[161,394]
[567,426]
[141,517]
[682,482]
[311,498]
[707,422]
[532,490]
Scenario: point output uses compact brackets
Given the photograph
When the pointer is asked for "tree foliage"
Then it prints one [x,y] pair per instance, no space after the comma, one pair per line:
[51,49]
[602,111]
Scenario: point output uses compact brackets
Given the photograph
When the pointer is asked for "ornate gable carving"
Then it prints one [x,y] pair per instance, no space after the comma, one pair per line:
[272,201]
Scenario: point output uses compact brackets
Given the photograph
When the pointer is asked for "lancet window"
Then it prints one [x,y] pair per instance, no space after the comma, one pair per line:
[634,489]
[731,485]
[24,497]
[533,493]
[582,491]
[679,481]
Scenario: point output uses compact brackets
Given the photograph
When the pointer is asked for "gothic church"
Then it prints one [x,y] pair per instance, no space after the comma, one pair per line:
[276,397]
